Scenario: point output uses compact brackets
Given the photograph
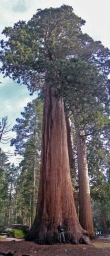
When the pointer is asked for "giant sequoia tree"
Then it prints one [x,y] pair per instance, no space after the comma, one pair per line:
[31,54]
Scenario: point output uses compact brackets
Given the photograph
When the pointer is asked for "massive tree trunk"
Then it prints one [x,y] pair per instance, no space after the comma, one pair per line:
[85,211]
[55,198]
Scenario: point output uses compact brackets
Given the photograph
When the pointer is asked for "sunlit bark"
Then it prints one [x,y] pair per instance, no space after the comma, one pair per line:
[85,211]
[55,199]
[71,157]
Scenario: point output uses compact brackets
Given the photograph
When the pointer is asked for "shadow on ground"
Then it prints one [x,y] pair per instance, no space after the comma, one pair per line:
[99,247]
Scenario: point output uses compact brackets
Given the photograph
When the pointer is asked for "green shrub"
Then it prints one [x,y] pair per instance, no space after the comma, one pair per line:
[17,233]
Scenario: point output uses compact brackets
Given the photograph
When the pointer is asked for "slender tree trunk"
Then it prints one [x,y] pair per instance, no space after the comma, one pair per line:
[72,158]
[85,211]
[70,146]
[55,198]
[104,222]
[31,209]
[10,206]
[33,190]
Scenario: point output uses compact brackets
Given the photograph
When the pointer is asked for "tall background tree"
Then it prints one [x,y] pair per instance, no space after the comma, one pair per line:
[4,130]
[28,145]
[8,176]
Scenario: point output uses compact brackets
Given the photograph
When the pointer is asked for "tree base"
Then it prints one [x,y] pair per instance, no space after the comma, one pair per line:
[52,237]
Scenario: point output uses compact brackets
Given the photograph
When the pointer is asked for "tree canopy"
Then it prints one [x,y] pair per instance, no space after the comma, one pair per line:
[51,45]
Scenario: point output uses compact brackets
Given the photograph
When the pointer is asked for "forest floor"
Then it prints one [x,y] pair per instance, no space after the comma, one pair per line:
[99,247]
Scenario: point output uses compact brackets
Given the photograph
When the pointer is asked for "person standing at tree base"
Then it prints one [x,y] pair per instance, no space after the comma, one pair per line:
[61,233]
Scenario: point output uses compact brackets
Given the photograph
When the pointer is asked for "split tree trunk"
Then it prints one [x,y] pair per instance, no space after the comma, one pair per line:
[85,210]
[55,198]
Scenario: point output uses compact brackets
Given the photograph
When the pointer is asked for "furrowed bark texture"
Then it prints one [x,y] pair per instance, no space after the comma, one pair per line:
[55,199]
[85,210]
[71,157]
[70,146]
[104,224]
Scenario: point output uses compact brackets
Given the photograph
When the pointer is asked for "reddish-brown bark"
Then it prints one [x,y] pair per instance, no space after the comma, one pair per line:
[85,210]
[71,157]
[70,145]
[104,224]
[55,199]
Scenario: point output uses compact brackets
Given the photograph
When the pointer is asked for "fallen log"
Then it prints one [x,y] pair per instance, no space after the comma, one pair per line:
[7,253]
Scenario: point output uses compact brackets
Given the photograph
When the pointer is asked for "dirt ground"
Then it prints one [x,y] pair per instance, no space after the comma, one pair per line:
[99,247]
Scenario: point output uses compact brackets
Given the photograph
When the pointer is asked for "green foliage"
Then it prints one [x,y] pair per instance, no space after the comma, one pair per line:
[102,193]
[98,165]
[19,186]
[29,129]
[98,159]
[4,166]
[52,34]
[52,46]
[18,233]
[8,177]
[78,81]
[33,45]
[28,144]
